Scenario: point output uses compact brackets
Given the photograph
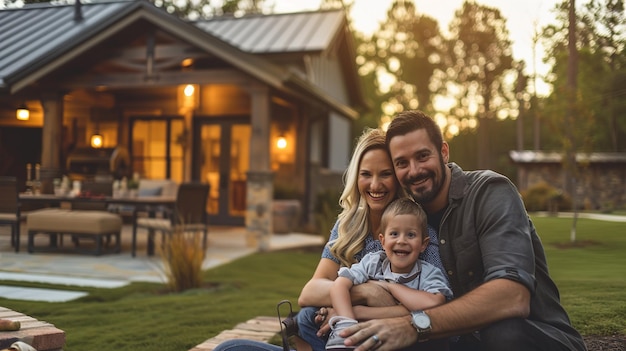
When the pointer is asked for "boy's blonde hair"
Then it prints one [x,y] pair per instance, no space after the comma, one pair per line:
[404,206]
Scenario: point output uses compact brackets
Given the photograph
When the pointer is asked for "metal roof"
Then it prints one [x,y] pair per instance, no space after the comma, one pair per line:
[529,156]
[37,38]
[35,32]
[294,32]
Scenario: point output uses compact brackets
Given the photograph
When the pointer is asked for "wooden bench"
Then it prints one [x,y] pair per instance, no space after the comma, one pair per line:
[93,225]
[260,329]
[41,335]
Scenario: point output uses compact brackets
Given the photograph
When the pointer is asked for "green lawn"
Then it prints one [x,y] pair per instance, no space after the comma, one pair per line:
[591,279]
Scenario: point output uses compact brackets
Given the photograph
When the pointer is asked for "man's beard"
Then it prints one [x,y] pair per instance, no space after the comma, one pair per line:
[428,195]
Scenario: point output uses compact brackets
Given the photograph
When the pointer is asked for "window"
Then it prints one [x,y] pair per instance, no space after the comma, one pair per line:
[157,147]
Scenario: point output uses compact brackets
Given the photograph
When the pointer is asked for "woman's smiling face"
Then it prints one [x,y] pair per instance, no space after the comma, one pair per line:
[377,181]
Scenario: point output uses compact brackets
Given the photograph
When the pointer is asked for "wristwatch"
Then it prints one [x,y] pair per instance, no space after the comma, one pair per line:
[421,322]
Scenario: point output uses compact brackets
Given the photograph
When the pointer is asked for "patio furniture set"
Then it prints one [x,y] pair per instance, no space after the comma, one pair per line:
[161,206]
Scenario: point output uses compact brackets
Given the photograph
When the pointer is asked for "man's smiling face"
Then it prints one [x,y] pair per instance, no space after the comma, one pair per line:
[419,166]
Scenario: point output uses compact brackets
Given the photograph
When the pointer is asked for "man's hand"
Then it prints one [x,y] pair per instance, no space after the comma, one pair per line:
[371,294]
[381,334]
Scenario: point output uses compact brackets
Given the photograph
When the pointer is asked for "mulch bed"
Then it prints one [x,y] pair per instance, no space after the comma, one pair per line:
[606,343]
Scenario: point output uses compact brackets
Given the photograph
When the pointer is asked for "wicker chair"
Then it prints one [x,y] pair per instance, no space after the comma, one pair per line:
[189,215]
[10,208]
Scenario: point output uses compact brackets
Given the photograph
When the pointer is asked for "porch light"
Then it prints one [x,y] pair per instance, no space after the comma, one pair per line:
[281,142]
[22,113]
[189,90]
[96,141]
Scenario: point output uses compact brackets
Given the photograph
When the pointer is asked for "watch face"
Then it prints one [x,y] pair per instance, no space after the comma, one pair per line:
[421,320]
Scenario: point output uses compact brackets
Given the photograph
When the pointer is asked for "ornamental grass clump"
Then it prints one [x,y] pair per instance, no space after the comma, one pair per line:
[182,255]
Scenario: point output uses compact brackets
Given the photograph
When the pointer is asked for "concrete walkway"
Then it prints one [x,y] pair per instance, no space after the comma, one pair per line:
[116,270]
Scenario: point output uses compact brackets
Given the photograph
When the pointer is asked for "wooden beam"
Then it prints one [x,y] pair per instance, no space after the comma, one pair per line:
[137,80]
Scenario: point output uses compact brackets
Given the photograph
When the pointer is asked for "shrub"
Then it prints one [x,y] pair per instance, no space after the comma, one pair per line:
[326,210]
[544,197]
[182,254]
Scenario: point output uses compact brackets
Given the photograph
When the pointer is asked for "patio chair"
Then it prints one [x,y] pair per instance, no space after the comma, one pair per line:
[10,208]
[95,190]
[188,215]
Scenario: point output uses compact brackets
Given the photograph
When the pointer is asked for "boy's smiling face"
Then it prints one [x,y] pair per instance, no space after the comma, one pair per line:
[403,241]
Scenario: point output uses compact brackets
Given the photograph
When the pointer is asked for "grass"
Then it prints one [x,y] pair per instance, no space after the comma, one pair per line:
[590,277]
[146,316]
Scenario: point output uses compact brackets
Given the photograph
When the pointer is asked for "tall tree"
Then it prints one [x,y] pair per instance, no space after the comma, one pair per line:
[571,166]
[480,58]
[600,42]
[400,59]
[607,21]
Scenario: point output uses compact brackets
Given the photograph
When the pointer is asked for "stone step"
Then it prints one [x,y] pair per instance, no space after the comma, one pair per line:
[261,328]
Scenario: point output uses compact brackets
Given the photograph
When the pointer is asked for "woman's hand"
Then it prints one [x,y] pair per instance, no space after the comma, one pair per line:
[323,316]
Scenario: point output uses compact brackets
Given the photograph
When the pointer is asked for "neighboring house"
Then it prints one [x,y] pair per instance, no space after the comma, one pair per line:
[240,103]
[603,176]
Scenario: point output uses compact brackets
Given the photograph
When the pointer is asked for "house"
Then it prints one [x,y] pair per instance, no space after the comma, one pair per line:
[243,103]
[602,175]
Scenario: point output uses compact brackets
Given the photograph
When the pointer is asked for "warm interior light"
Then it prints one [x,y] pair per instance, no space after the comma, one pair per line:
[189,89]
[96,141]
[281,143]
[187,62]
[22,113]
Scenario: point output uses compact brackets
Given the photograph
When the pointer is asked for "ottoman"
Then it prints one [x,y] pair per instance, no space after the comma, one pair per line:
[93,225]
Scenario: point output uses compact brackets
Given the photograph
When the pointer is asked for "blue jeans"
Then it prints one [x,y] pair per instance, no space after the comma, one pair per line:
[307,329]
[246,345]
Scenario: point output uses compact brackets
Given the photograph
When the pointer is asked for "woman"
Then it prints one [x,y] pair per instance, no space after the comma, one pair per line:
[370,185]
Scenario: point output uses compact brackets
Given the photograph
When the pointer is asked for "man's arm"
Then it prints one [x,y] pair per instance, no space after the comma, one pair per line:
[495,300]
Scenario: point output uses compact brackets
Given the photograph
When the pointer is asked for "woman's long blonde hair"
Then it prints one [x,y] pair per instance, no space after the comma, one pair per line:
[354,226]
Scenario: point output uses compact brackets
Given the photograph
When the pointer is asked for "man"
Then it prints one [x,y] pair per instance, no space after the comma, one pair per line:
[505,298]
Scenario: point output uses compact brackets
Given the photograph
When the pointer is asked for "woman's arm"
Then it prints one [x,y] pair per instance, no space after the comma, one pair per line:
[316,292]
[414,299]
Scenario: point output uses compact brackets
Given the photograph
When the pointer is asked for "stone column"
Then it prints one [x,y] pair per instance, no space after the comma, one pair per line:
[260,185]
[259,210]
[51,140]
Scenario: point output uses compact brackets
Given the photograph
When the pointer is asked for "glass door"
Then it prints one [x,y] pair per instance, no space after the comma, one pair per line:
[156,148]
[222,160]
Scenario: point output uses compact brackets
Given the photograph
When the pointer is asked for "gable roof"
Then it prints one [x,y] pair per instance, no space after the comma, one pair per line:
[38,38]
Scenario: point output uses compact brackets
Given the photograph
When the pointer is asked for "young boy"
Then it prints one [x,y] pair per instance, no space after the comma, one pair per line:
[414,283]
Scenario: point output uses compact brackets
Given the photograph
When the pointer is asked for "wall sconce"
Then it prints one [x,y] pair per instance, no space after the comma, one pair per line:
[189,90]
[97,140]
[281,142]
[22,113]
